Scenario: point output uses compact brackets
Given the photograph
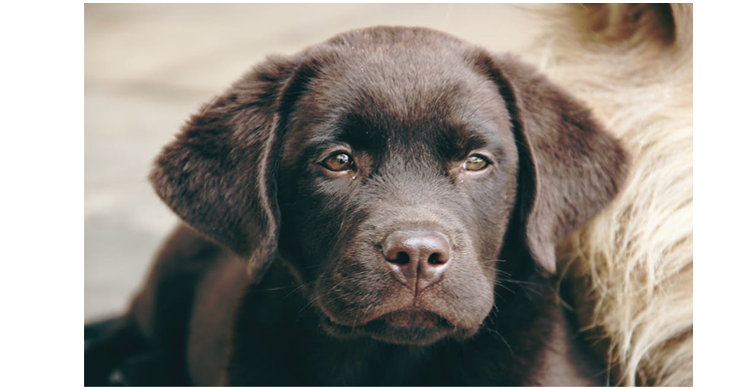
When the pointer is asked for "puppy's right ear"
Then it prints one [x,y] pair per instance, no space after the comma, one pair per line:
[219,174]
[569,167]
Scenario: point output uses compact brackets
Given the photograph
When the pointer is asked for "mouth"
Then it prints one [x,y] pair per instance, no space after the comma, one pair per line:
[405,327]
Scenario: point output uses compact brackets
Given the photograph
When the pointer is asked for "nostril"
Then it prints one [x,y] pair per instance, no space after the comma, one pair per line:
[402,258]
[436,259]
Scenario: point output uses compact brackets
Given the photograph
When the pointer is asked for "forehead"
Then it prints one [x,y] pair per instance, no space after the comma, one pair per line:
[401,95]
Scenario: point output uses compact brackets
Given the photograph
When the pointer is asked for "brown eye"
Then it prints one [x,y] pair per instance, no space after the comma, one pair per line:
[339,162]
[475,163]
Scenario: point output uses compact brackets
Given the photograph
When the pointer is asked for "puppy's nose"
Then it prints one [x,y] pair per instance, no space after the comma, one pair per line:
[418,259]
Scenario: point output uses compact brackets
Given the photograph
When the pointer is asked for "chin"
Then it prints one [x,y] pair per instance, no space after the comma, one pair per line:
[409,327]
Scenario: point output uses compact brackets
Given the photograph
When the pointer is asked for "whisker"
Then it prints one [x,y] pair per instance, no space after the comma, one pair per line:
[495,332]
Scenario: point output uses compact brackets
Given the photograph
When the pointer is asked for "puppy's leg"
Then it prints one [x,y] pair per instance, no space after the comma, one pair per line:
[107,345]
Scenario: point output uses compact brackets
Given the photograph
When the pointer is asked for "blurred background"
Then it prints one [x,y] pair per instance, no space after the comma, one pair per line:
[148,67]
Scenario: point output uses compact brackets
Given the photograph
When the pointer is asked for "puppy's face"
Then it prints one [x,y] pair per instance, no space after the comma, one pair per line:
[386,166]
[397,184]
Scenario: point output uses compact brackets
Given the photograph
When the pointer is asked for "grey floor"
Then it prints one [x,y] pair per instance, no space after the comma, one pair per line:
[147,67]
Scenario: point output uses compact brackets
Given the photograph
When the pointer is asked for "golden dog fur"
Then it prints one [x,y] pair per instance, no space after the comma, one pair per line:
[632,266]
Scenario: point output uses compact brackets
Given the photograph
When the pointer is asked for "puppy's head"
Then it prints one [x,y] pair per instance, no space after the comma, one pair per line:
[390,167]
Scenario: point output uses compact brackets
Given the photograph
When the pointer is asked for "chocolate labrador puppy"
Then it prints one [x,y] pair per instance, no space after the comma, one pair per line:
[394,197]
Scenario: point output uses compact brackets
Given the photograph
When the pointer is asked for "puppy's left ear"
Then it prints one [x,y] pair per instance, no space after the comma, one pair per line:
[570,169]
[220,174]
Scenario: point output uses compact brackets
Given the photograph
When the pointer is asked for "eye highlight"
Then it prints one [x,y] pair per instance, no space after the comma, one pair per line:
[339,162]
[475,163]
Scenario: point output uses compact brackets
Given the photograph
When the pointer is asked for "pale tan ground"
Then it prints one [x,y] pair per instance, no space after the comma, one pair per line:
[147,67]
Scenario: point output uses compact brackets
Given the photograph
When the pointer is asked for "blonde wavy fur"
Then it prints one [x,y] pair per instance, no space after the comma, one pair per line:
[632,267]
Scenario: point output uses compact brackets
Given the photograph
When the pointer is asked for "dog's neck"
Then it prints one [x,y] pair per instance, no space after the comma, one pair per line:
[526,340]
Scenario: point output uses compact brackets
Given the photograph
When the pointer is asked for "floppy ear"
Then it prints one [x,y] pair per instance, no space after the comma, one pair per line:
[569,168]
[219,174]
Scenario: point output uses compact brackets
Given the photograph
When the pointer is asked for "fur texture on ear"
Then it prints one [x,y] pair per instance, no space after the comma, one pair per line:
[569,168]
[219,174]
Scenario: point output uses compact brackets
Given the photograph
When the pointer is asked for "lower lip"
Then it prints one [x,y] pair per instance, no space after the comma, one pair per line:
[412,319]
